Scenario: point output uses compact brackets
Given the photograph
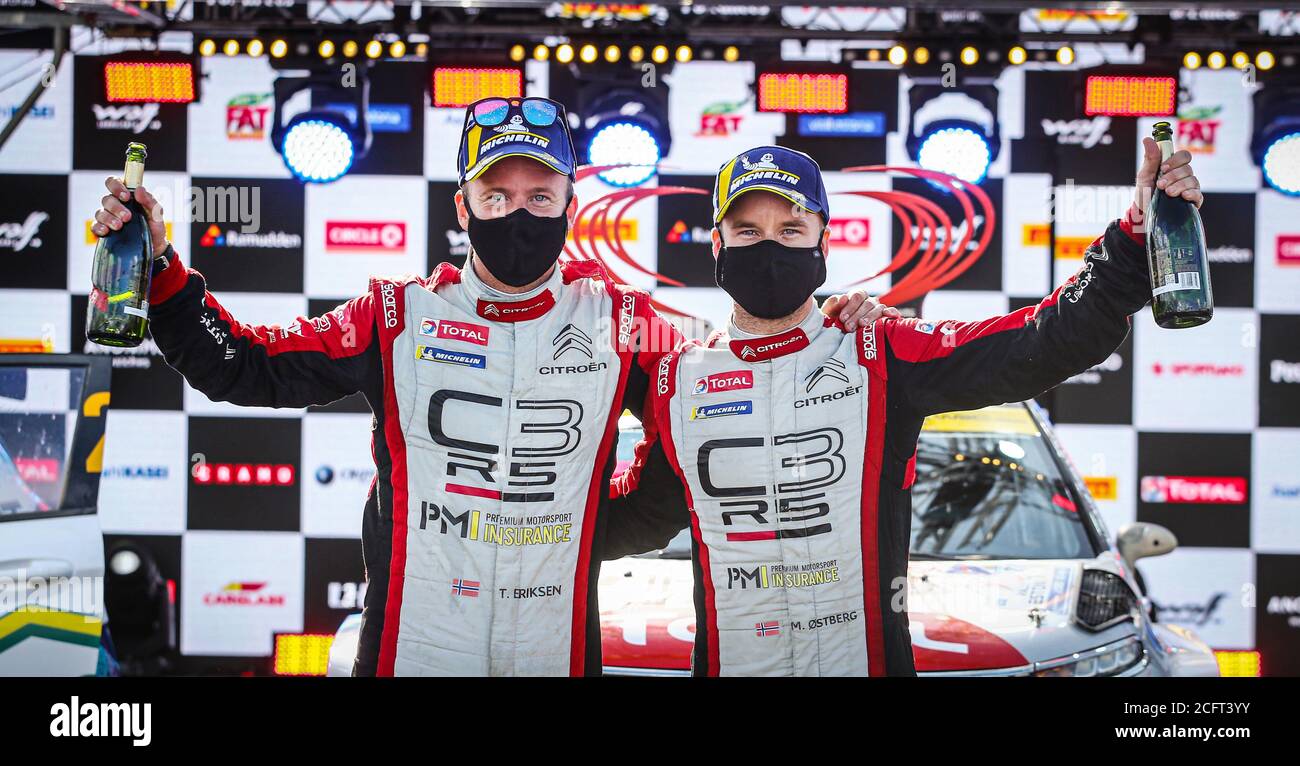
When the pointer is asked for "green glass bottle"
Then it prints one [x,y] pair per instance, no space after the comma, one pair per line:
[119,295]
[1180,273]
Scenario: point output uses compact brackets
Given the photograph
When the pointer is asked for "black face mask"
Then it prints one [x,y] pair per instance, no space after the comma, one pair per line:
[768,279]
[517,248]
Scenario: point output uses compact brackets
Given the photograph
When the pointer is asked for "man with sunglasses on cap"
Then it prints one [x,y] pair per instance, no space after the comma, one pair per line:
[796,441]
[496,390]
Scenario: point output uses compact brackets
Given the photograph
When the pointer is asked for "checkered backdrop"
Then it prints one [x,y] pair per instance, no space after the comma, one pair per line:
[1220,401]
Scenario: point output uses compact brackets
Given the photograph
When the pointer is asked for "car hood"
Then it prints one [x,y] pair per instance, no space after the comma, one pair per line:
[647,617]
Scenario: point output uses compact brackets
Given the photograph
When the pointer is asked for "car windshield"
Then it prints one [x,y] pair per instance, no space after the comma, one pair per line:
[987,487]
[678,548]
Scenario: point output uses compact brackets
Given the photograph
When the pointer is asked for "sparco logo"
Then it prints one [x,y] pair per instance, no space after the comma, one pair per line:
[390,305]
[1193,489]
[665,364]
[17,236]
[1280,371]
[365,235]
[869,343]
[625,320]
[1086,133]
[136,118]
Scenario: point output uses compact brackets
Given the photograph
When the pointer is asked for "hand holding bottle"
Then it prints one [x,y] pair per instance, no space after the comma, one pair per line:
[1174,177]
[114,212]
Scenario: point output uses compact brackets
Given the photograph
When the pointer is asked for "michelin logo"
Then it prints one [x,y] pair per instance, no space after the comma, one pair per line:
[722,410]
[432,354]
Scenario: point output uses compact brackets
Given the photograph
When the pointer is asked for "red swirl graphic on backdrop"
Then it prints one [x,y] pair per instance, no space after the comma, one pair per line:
[940,261]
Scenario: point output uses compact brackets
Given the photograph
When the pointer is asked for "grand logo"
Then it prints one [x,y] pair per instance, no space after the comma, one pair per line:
[366,236]
[19,236]
[1225,490]
[136,118]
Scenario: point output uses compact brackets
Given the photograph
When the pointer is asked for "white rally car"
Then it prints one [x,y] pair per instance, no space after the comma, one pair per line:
[1012,571]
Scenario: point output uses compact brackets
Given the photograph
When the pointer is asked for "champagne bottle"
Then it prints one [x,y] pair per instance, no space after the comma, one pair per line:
[1180,273]
[119,295]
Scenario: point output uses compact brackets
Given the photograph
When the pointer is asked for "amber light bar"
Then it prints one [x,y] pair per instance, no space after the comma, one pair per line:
[149,81]
[795,92]
[1130,96]
[462,86]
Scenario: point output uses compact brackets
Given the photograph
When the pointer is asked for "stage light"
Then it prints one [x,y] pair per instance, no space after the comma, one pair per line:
[397,50]
[517,53]
[319,147]
[1065,55]
[969,55]
[612,53]
[422,50]
[624,126]
[160,79]
[659,54]
[541,53]
[636,54]
[1017,55]
[279,48]
[374,49]
[255,47]
[731,53]
[587,54]
[873,54]
[957,149]
[683,54]
[207,47]
[564,53]
[231,48]
[326,48]
[624,142]
[1240,60]
[1216,60]
[1192,60]
[921,55]
[1275,138]
[1130,96]
[1264,60]
[350,48]
[1281,162]
[462,86]
[898,55]
[803,92]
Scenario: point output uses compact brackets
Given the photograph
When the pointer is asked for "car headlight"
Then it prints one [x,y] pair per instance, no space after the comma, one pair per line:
[1109,660]
[1104,600]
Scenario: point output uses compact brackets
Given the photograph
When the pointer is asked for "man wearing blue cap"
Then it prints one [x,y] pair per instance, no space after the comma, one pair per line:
[496,391]
[796,440]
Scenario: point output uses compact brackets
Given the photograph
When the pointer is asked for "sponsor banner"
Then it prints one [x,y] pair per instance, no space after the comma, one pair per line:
[851,125]
[1025,234]
[1277,252]
[101,131]
[362,225]
[247,234]
[1276,504]
[334,583]
[719,121]
[35,321]
[985,273]
[230,128]
[42,143]
[241,588]
[683,237]
[244,473]
[1277,614]
[448,242]
[1177,373]
[1101,394]
[862,229]
[144,484]
[1060,140]
[1229,220]
[1279,370]
[33,223]
[1105,456]
[1212,124]
[1198,485]
[337,469]
[1206,590]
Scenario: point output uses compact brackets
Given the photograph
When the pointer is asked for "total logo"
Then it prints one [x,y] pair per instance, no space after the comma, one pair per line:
[136,118]
[276,240]
[1199,369]
[244,594]
[18,236]
[1224,490]
[1083,132]
[1197,129]
[1288,249]
[446,329]
[1280,371]
[246,116]
[723,381]
[681,234]
[850,232]
[366,236]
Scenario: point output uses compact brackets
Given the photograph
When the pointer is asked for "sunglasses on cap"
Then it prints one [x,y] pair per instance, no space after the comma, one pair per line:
[538,112]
